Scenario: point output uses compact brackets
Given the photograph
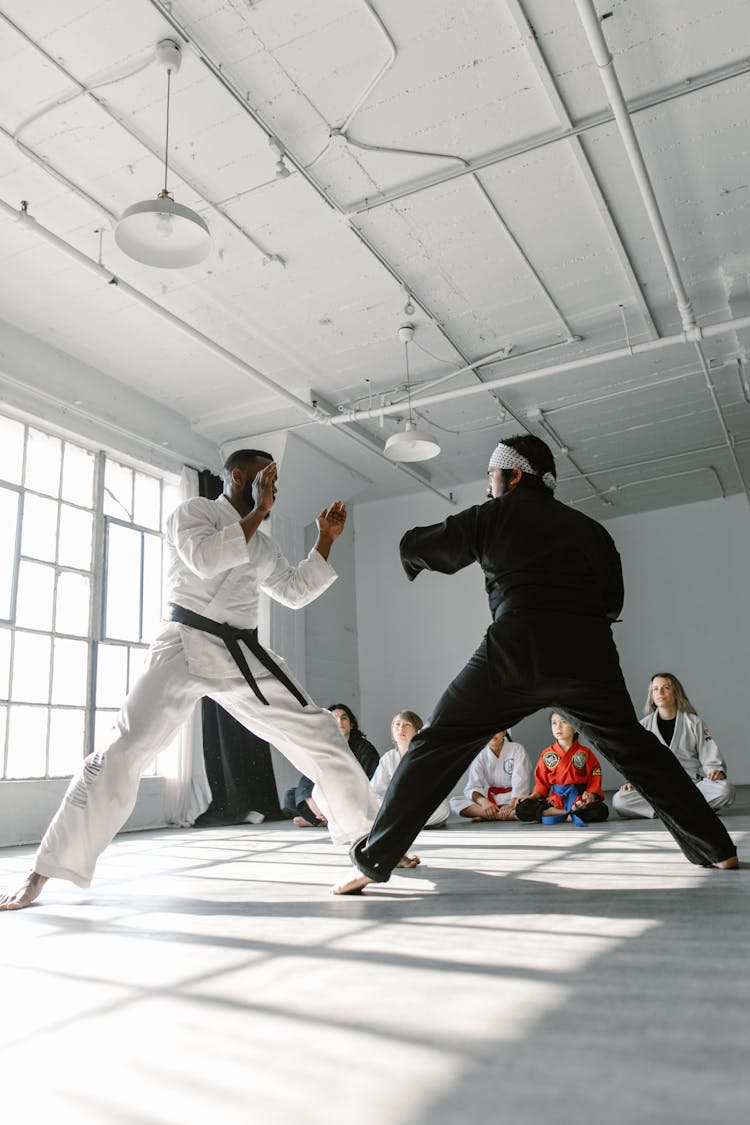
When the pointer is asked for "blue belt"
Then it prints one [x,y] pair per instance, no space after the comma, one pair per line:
[569,793]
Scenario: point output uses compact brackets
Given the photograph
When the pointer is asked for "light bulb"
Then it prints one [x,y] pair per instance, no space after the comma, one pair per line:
[164,225]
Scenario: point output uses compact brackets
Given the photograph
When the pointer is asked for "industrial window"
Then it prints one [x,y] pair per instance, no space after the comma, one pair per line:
[80,594]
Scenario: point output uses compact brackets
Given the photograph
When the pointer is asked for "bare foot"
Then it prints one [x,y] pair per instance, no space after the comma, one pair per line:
[302,823]
[409,861]
[353,886]
[29,890]
[724,864]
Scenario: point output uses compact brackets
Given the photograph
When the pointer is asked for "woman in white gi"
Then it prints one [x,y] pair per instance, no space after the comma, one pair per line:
[404,726]
[498,777]
[219,561]
[669,714]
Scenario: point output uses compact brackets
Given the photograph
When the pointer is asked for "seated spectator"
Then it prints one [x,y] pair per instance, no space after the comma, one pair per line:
[403,728]
[499,776]
[568,781]
[298,801]
[670,715]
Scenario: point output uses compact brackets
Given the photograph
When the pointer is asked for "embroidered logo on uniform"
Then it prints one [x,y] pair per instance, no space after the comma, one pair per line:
[508,765]
[597,772]
[579,760]
[551,759]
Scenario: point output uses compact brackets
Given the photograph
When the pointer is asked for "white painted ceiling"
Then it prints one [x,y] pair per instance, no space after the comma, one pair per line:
[480,173]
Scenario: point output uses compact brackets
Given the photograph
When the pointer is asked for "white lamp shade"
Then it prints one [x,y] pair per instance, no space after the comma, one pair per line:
[160,232]
[411,444]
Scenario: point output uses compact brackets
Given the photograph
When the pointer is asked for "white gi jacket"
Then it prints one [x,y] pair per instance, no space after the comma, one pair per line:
[691,744]
[511,769]
[381,779]
[213,571]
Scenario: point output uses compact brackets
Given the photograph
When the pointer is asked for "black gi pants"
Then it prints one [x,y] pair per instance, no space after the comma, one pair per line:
[527,661]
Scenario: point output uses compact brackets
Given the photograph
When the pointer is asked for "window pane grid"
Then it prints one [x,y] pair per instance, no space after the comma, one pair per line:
[62,499]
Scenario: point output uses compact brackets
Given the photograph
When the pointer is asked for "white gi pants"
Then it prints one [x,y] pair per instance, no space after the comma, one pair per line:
[631,805]
[101,797]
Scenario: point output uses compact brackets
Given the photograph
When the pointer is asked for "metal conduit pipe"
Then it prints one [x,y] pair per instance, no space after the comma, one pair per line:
[313,414]
[516,10]
[722,421]
[215,69]
[499,156]
[678,339]
[610,81]
[107,275]
[652,480]
[721,448]
[83,90]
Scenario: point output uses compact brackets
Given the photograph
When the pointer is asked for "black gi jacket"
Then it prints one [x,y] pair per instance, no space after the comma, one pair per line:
[536,554]
[554,582]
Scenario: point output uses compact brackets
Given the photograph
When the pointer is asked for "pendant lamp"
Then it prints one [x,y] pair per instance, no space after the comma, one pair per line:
[160,232]
[410,444]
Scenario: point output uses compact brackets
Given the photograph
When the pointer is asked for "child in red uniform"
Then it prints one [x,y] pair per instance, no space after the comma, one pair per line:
[568,781]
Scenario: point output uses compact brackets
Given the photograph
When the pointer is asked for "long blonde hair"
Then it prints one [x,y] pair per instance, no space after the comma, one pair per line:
[680,696]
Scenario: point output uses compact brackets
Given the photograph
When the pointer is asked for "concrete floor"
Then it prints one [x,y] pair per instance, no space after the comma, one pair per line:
[523,973]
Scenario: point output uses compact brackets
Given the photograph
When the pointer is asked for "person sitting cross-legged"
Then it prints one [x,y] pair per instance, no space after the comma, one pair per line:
[298,801]
[568,781]
[498,777]
[670,715]
[404,725]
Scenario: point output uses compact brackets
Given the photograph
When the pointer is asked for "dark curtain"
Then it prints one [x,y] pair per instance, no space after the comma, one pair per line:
[238,764]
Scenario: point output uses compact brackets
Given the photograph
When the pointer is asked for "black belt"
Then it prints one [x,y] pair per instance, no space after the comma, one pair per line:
[231,638]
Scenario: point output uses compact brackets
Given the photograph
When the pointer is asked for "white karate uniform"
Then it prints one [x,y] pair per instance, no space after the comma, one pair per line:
[696,752]
[381,779]
[213,571]
[511,769]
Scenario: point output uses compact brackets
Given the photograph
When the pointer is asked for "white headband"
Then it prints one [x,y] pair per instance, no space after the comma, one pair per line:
[505,457]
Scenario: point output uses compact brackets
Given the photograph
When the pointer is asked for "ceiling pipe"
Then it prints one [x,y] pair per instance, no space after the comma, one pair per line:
[626,465]
[517,13]
[610,81]
[678,339]
[312,413]
[90,92]
[603,58]
[653,480]
[492,159]
[536,414]
[216,70]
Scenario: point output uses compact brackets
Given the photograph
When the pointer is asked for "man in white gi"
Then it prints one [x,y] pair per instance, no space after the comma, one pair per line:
[672,718]
[498,777]
[219,561]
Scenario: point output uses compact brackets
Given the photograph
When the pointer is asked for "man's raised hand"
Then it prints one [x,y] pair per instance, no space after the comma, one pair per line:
[331,520]
[264,487]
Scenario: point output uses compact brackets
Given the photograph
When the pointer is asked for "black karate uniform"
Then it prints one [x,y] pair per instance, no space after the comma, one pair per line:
[554,582]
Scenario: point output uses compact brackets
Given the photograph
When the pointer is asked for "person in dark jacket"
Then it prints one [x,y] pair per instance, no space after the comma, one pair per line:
[550,571]
[298,801]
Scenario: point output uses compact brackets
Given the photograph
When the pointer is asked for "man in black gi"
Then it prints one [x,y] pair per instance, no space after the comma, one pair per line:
[550,571]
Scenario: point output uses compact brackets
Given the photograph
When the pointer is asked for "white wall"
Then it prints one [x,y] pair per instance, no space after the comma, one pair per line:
[686,611]
[27,807]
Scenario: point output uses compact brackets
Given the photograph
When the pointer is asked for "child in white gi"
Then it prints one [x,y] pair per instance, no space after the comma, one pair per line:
[499,776]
